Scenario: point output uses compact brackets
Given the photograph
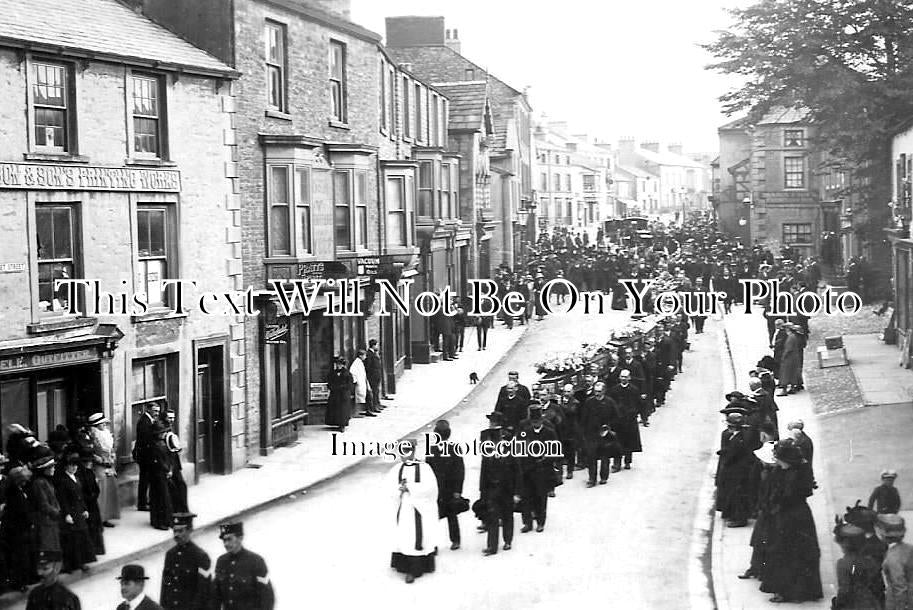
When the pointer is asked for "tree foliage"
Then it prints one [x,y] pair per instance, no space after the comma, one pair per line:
[848,62]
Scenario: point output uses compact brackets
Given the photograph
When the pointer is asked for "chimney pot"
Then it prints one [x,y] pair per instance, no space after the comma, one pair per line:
[455,35]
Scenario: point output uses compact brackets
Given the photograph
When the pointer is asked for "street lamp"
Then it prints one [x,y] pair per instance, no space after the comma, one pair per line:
[745,221]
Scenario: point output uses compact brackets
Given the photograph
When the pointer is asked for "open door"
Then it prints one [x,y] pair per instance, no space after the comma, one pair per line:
[210,411]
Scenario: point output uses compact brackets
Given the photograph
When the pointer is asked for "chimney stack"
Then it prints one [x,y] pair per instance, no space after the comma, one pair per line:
[675,149]
[452,41]
[340,8]
[651,146]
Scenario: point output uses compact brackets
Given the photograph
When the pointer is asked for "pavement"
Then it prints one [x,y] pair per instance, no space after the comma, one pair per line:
[423,394]
[853,444]
[876,367]
[746,336]
[631,541]
[862,440]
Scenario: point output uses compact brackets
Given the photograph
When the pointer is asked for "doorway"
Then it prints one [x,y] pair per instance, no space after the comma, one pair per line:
[209,410]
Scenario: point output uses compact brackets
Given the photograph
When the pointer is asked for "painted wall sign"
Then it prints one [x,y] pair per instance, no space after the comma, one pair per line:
[49,359]
[12,267]
[84,178]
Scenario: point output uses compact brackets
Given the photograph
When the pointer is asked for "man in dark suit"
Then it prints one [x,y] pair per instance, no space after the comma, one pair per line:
[514,407]
[538,472]
[596,413]
[374,372]
[499,488]
[144,442]
[450,472]
[522,390]
[132,582]
[630,405]
[570,436]
[187,577]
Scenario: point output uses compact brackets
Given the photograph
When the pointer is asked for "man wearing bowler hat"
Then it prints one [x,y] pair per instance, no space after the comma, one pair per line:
[898,563]
[132,582]
[187,577]
[50,594]
[241,579]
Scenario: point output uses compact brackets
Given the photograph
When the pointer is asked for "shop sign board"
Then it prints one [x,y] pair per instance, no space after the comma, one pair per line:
[319,392]
[39,176]
[21,362]
[322,270]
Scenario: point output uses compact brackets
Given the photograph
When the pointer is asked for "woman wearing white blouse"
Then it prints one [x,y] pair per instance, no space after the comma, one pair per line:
[104,467]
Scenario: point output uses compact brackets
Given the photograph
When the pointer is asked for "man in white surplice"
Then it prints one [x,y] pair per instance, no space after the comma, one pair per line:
[417,530]
[360,378]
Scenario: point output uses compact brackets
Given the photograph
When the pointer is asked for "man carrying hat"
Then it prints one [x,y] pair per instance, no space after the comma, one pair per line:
[450,471]
[187,577]
[241,580]
[898,563]
[132,582]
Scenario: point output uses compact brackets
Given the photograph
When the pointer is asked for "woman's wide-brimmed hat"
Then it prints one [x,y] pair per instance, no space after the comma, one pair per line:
[787,451]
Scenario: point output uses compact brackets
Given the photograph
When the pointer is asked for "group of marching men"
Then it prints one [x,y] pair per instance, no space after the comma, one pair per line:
[597,424]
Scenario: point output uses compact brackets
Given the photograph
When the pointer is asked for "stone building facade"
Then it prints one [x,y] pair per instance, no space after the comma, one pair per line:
[328,188]
[504,211]
[114,166]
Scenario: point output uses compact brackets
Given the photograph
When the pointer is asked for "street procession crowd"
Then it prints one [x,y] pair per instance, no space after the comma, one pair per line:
[598,414]
[58,495]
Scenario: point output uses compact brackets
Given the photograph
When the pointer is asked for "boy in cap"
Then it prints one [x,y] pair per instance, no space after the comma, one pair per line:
[50,594]
[241,579]
[187,576]
[898,563]
[885,498]
[132,582]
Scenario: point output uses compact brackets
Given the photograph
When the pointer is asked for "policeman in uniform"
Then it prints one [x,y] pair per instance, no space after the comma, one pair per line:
[241,580]
[187,577]
[50,594]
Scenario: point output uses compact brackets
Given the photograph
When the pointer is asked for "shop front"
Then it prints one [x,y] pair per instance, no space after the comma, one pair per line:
[45,384]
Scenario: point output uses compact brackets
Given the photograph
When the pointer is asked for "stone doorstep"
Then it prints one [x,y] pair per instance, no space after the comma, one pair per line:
[243,513]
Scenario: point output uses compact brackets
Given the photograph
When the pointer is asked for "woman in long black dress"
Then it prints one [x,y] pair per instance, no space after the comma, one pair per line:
[17,531]
[341,385]
[793,556]
[160,464]
[78,550]
[90,492]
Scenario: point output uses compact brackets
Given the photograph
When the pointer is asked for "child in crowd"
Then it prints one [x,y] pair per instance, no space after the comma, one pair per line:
[885,498]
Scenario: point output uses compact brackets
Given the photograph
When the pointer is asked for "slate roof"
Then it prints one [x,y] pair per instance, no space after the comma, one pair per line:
[740,123]
[635,171]
[467,103]
[780,115]
[105,29]
[436,64]
[667,158]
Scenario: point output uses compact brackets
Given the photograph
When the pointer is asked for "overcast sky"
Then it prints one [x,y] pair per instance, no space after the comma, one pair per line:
[610,68]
